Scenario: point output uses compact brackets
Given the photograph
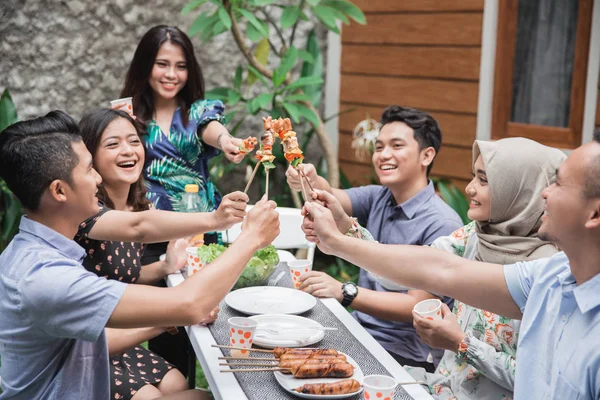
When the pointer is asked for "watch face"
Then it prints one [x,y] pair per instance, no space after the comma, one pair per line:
[350,289]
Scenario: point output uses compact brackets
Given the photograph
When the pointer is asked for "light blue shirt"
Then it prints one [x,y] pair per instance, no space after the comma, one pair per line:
[52,318]
[418,221]
[559,343]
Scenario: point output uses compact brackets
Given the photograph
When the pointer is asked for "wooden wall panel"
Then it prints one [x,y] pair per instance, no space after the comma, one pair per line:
[418,5]
[457,129]
[427,29]
[357,174]
[427,62]
[429,94]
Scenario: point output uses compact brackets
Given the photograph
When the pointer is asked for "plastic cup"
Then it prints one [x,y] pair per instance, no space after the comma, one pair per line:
[297,269]
[379,387]
[241,334]
[430,309]
[193,263]
[127,105]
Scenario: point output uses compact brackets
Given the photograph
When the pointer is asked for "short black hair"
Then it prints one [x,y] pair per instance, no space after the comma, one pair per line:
[35,152]
[426,129]
[591,189]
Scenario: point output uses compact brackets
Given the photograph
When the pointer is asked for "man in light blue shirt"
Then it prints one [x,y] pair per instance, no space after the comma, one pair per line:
[52,311]
[558,299]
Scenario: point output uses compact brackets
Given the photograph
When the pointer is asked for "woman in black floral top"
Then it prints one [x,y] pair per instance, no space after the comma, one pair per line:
[114,141]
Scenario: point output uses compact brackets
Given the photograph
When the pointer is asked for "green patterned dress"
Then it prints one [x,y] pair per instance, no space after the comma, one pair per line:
[179,157]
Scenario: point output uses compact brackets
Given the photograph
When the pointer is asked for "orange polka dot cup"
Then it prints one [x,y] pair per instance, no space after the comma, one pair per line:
[430,309]
[193,263]
[124,104]
[241,334]
[379,387]
[297,269]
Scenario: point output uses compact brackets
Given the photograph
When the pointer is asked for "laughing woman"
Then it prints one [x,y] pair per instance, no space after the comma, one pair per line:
[118,153]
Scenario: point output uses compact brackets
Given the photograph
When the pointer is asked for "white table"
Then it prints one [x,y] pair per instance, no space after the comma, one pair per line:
[225,386]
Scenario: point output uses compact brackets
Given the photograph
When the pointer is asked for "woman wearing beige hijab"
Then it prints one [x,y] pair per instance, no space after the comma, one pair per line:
[506,207]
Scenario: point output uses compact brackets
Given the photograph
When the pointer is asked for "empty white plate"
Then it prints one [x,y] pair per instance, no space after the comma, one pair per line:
[288,382]
[294,331]
[270,300]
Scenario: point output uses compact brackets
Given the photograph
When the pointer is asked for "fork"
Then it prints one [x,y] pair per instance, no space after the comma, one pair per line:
[274,281]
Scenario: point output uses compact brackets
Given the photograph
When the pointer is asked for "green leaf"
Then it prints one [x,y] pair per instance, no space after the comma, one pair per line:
[217,29]
[8,112]
[308,114]
[285,66]
[261,53]
[192,5]
[264,100]
[292,110]
[237,80]
[253,34]
[347,8]
[233,97]
[259,3]
[327,16]
[314,69]
[199,23]
[313,2]
[255,22]
[260,76]
[229,116]
[306,56]
[220,93]
[224,17]
[289,16]
[304,81]
[297,97]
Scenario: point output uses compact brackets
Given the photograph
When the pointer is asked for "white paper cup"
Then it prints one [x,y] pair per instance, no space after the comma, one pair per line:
[127,105]
[241,334]
[430,309]
[379,387]
[193,263]
[297,269]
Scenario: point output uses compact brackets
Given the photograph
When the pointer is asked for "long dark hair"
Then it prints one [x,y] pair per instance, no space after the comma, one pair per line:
[136,82]
[92,126]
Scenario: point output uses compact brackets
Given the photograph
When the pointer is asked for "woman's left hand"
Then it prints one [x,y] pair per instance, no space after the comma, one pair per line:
[319,284]
[211,317]
[230,147]
[440,334]
[176,256]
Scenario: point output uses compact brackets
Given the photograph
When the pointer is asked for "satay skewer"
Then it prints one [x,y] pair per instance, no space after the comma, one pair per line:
[254,370]
[267,184]
[252,177]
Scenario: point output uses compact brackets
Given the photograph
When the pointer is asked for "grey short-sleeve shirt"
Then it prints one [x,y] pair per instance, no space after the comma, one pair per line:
[52,318]
[418,221]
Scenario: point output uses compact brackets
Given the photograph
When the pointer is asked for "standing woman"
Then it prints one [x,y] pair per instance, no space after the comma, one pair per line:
[183,131]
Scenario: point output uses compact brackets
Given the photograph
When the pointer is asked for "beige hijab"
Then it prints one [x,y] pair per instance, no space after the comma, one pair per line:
[518,170]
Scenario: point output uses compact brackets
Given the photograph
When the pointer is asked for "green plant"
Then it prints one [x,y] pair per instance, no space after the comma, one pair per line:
[283,91]
[454,197]
[10,208]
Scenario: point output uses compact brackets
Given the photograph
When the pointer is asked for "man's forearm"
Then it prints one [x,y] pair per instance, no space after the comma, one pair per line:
[387,305]
[481,285]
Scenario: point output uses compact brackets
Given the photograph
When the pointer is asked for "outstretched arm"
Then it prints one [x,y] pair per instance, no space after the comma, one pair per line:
[479,284]
[158,226]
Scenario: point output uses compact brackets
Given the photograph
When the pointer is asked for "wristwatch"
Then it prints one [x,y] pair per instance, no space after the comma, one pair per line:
[349,290]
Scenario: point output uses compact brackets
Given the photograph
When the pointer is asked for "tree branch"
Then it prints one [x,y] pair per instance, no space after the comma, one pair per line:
[301,6]
[279,33]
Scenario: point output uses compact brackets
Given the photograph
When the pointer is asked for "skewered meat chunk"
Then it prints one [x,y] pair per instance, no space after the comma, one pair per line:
[341,387]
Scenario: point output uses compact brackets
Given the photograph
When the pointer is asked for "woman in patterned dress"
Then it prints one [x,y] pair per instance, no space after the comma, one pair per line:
[506,207]
[118,153]
[183,131]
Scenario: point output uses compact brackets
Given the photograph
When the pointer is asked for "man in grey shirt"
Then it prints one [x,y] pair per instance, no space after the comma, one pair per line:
[52,311]
[404,210]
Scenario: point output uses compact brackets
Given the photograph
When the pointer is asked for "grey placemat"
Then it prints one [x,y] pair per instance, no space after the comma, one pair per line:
[263,386]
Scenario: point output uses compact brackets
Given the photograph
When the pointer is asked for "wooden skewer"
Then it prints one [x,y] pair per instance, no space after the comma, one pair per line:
[241,348]
[248,358]
[252,177]
[302,187]
[238,364]
[307,181]
[255,370]
[267,190]
[412,383]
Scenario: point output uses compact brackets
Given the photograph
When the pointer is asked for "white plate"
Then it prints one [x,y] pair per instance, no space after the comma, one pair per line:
[258,300]
[297,332]
[288,382]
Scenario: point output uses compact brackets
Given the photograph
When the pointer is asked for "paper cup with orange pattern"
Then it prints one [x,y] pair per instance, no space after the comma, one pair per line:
[241,334]
[379,387]
[193,263]
[430,309]
[297,269]
[124,104]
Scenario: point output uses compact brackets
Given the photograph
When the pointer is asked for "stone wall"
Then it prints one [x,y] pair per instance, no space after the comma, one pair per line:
[73,54]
